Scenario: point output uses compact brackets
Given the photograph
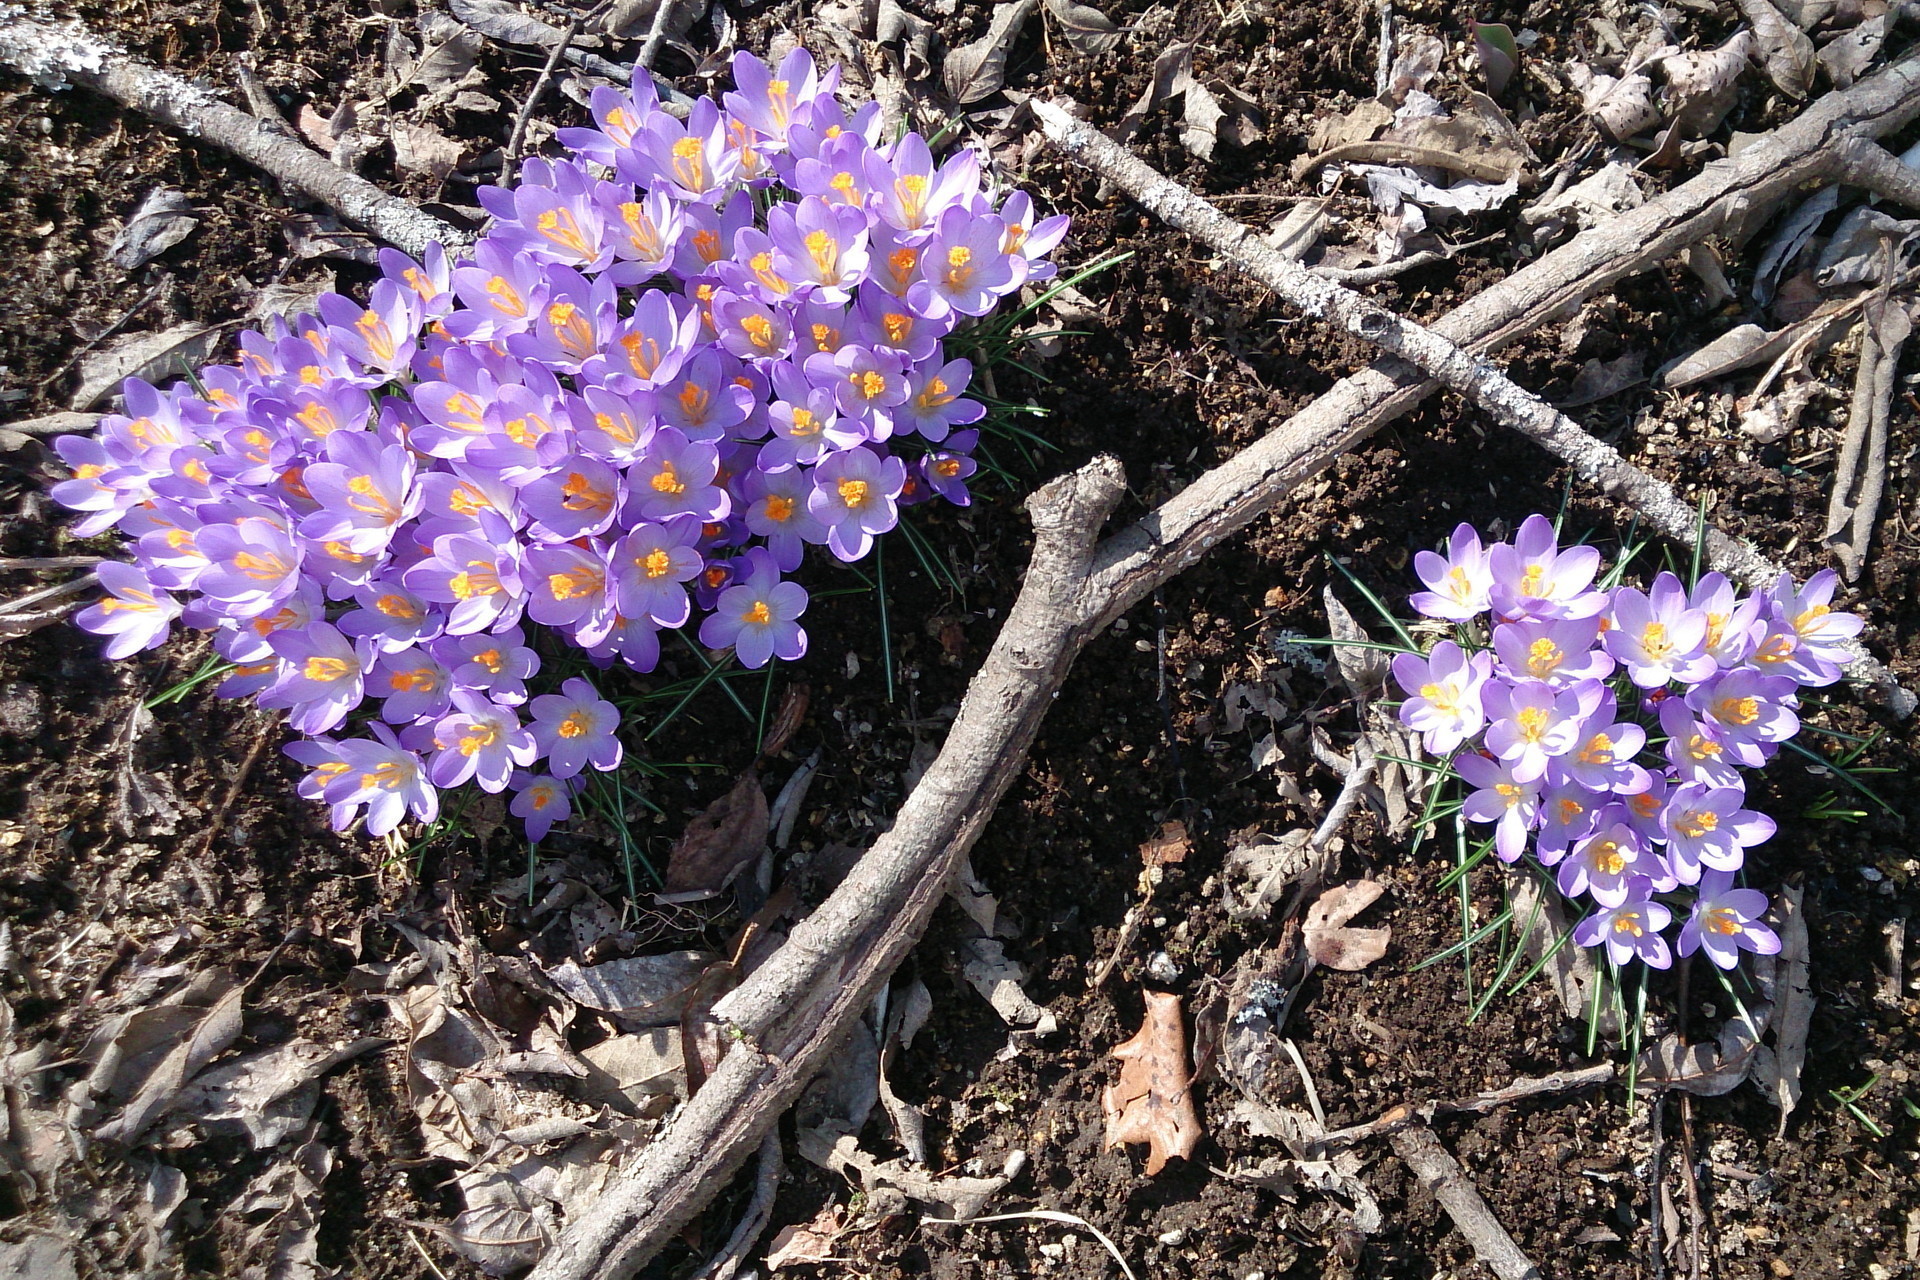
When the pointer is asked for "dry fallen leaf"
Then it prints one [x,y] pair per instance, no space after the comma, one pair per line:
[808,1244]
[153,357]
[1169,846]
[1776,1068]
[1153,1102]
[163,220]
[979,69]
[1087,29]
[722,842]
[1785,51]
[1330,942]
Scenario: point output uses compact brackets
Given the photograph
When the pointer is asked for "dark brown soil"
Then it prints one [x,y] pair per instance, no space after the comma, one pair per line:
[1181,366]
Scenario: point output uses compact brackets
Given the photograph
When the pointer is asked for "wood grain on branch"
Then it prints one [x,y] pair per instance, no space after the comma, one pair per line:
[55,54]
[799,1006]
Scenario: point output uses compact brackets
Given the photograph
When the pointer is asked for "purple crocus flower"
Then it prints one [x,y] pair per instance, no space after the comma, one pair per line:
[1657,636]
[575,728]
[866,384]
[963,268]
[1559,651]
[1609,866]
[758,617]
[933,405]
[391,616]
[1706,827]
[386,778]
[497,665]
[365,491]
[135,615]
[1748,712]
[912,195]
[1513,806]
[1645,811]
[1532,578]
[252,564]
[767,100]
[1568,812]
[708,399]
[805,422]
[1733,624]
[751,329]
[1805,635]
[414,683]
[1444,688]
[676,477]
[578,497]
[478,577]
[479,739]
[1531,722]
[651,566]
[322,676]
[540,801]
[947,471]
[819,245]
[1695,749]
[1727,921]
[645,234]
[648,347]
[1601,758]
[1458,583]
[324,765]
[1630,930]
[566,582]
[776,510]
[853,496]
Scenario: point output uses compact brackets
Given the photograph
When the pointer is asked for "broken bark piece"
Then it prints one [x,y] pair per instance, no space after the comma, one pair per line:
[1153,1102]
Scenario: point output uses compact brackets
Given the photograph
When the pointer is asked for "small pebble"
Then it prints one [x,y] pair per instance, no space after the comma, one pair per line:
[1173,1238]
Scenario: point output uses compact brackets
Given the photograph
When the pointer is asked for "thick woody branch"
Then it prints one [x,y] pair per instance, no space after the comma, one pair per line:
[794,1010]
[1476,378]
[55,55]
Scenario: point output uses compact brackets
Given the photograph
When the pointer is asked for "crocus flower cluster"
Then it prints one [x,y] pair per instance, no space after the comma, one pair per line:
[1605,730]
[677,358]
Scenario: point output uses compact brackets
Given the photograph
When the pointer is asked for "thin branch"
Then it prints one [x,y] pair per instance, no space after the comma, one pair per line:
[1427,350]
[663,13]
[518,137]
[1443,1178]
[57,54]
[1407,1115]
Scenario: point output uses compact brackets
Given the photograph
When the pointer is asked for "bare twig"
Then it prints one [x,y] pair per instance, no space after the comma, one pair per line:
[56,54]
[25,602]
[55,424]
[29,563]
[73,358]
[663,13]
[1406,1115]
[518,137]
[1443,1178]
[1427,349]
[1860,476]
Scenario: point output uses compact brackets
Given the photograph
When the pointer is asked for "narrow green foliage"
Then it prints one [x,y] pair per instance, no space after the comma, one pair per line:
[1849,1100]
[212,669]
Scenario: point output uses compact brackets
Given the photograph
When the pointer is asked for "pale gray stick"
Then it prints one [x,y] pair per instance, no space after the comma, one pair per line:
[1476,378]
[1448,1183]
[54,54]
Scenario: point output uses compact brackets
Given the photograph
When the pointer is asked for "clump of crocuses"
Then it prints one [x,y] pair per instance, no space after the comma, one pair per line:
[675,361]
[1605,730]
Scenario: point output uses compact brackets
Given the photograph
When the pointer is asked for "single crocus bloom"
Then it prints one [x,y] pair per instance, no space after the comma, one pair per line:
[1706,827]
[1445,687]
[1457,585]
[1727,921]
[1512,805]
[1531,722]
[540,801]
[135,615]
[575,728]
[1532,578]
[1657,636]
[1631,931]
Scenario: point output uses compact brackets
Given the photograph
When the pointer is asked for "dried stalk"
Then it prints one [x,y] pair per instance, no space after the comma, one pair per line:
[57,54]
[1431,352]
[1407,1115]
[1443,1178]
[808,995]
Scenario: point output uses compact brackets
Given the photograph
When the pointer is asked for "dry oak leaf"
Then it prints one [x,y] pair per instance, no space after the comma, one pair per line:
[1153,1103]
[1330,942]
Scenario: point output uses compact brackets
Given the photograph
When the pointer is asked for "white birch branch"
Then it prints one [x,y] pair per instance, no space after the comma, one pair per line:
[58,54]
